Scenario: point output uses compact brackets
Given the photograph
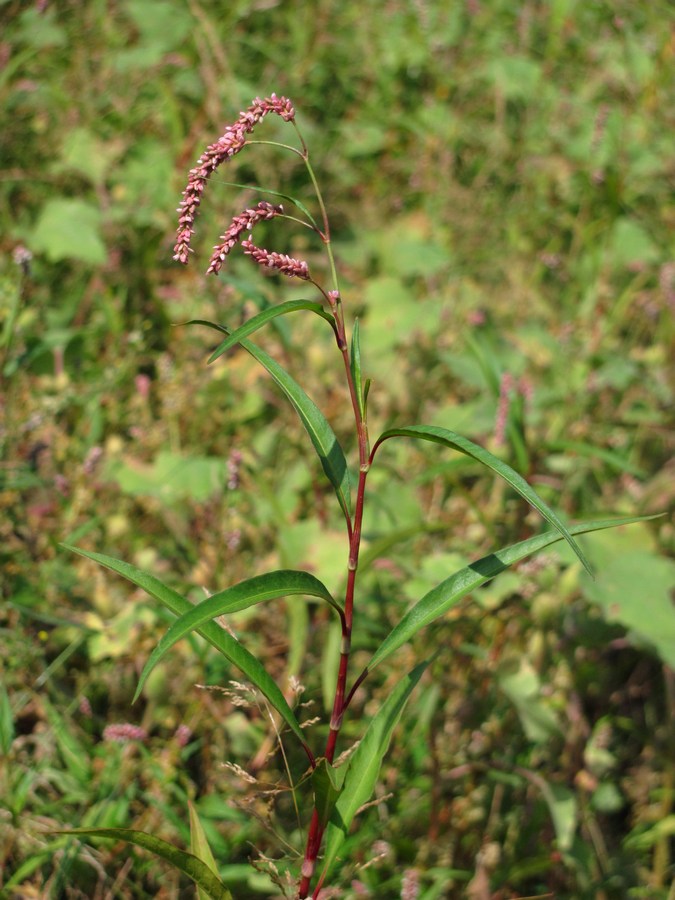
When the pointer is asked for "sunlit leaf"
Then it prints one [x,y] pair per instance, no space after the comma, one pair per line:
[464,445]
[355,365]
[214,634]
[199,846]
[449,592]
[202,875]
[247,593]
[256,322]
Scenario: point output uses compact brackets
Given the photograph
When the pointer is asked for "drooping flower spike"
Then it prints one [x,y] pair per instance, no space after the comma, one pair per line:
[230,143]
[241,223]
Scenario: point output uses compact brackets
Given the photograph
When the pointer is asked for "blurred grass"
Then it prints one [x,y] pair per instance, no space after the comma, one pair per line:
[500,183]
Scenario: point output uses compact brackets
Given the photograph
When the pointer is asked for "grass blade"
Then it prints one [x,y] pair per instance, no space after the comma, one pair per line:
[449,592]
[214,634]
[202,875]
[517,482]
[247,593]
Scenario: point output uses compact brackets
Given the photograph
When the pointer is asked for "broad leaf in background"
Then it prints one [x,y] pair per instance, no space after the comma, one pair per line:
[202,875]
[365,763]
[634,589]
[449,592]
[517,482]
[69,229]
[214,634]
[321,434]
[247,593]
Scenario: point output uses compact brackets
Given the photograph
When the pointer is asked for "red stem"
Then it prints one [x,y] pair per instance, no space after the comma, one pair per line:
[316,830]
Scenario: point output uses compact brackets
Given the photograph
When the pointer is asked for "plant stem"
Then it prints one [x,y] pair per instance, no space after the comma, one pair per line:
[316,829]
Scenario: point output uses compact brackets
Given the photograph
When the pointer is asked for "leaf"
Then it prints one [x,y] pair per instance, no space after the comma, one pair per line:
[69,229]
[199,845]
[355,365]
[449,592]
[634,589]
[321,434]
[214,634]
[256,322]
[240,596]
[6,722]
[202,875]
[517,482]
[327,785]
[365,763]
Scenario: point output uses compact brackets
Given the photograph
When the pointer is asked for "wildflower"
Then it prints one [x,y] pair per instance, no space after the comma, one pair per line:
[124,732]
[233,464]
[238,226]
[410,886]
[284,264]
[228,145]
[182,735]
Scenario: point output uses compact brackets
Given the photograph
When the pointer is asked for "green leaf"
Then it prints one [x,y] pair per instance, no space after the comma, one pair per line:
[256,322]
[202,875]
[365,763]
[6,722]
[517,482]
[634,588]
[449,592]
[70,229]
[247,593]
[355,365]
[327,785]
[199,845]
[214,634]
[321,434]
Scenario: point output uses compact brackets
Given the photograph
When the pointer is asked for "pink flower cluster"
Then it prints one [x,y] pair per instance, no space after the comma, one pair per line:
[297,268]
[124,732]
[238,226]
[229,144]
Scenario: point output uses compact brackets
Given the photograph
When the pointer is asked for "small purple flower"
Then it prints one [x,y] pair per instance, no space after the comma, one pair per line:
[182,735]
[124,732]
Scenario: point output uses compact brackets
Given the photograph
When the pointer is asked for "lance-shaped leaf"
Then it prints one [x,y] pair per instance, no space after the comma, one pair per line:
[203,876]
[365,764]
[256,322]
[199,845]
[449,592]
[214,634]
[464,445]
[240,596]
[322,436]
[355,366]
[327,784]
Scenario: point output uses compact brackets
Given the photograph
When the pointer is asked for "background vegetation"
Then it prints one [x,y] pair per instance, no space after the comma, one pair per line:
[500,181]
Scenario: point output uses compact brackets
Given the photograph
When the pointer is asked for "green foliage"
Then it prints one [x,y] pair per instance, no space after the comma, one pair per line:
[499,186]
